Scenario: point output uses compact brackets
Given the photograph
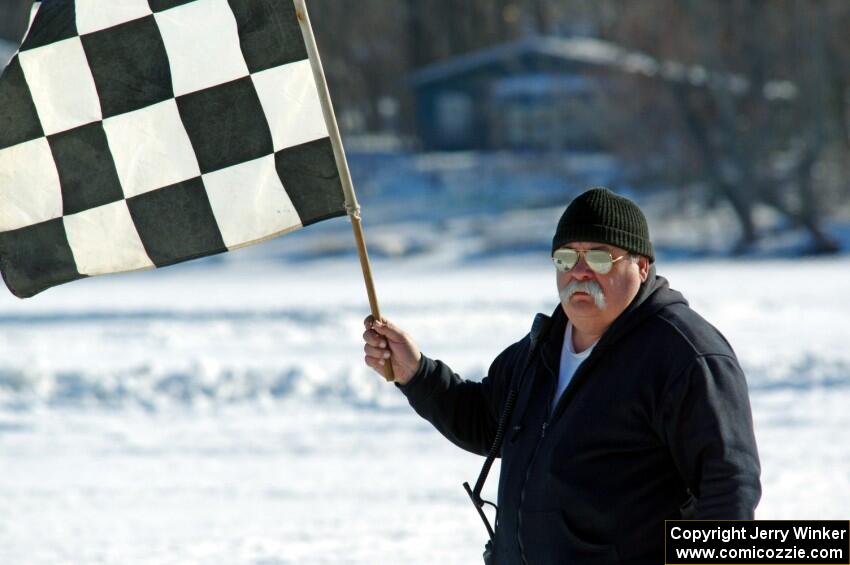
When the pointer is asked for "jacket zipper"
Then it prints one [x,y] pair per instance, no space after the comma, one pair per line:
[528,471]
[522,494]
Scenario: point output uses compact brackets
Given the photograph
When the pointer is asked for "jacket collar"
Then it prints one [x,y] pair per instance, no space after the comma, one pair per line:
[653,295]
[550,349]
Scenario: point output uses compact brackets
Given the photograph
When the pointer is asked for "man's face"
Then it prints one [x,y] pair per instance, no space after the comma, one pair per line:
[619,286]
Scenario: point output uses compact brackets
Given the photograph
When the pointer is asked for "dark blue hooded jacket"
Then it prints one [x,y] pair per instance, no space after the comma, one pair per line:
[654,425]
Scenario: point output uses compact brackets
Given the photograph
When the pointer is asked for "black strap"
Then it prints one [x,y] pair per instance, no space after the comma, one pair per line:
[538,330]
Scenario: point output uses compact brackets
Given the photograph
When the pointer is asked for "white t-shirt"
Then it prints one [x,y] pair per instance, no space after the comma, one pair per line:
[570,360]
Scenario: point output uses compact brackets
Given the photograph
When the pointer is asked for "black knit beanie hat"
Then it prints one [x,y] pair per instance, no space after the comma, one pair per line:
[601,216]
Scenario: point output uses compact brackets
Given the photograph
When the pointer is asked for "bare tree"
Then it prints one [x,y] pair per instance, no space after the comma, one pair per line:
[761,116]
[763,123]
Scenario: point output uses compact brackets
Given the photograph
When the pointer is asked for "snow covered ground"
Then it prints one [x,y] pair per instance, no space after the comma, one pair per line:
[218,412]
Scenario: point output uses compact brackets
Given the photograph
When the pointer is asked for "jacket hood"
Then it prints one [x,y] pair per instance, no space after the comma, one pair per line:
[653,295]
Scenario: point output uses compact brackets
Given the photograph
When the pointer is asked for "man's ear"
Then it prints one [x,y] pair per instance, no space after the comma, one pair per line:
[643,267]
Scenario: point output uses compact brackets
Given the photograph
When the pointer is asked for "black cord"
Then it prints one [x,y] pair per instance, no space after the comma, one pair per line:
[497,441]
[541,324]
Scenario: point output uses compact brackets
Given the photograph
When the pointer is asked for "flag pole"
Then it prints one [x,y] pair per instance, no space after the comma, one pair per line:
[351,205]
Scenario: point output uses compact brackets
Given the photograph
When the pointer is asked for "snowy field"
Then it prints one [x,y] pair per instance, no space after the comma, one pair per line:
[219,412]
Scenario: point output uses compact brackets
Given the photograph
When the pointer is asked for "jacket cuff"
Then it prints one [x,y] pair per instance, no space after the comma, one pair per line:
[419,381]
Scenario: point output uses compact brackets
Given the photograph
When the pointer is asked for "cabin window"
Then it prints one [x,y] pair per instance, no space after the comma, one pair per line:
[454,116]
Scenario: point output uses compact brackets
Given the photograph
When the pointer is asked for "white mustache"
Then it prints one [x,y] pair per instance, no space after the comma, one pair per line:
[590,287]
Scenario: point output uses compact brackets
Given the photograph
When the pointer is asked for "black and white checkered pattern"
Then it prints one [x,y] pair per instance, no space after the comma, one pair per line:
[141,133]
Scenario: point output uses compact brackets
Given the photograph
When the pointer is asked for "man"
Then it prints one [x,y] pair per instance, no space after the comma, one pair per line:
[632,410]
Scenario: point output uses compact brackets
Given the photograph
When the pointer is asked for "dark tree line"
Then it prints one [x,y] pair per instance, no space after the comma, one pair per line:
[370,47]
[768,127]
[775,131]
[762,118]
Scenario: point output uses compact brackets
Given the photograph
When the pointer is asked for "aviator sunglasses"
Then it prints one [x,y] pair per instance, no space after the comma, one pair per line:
[599,260]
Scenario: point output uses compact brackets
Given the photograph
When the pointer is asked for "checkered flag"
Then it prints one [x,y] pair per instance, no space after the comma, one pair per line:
[141,133]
